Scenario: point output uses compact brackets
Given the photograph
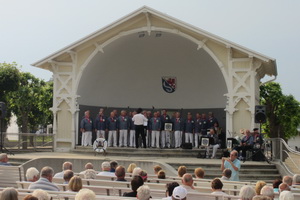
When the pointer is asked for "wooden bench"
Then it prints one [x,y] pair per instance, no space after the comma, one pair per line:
[10,174]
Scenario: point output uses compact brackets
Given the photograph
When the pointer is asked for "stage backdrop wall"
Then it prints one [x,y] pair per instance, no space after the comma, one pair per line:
[130,70]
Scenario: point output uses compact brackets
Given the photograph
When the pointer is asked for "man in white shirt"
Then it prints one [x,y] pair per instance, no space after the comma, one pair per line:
[106,170]
[188,182]
[139,120]
[65,166]
[233,164]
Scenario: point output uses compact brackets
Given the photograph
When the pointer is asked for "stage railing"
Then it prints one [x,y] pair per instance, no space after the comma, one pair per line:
[282,152]
[32,141]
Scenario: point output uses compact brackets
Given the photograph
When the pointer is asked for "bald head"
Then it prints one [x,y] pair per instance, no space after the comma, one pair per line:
[288,180]
[67,166]
[284,187]
[187,179]
[89,166]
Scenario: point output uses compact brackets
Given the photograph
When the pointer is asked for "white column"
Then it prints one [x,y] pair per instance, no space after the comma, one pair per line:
[54,128]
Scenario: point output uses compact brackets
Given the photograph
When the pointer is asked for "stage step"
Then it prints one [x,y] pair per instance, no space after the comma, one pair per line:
[249,171]
[148,152]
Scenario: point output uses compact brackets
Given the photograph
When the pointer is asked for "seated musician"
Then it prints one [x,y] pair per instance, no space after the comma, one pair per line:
[257,139]
[246,144]
[258,148]
[221,135]
[215,144]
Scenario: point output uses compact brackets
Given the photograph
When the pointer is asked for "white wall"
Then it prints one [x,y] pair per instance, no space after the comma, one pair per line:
[129,73]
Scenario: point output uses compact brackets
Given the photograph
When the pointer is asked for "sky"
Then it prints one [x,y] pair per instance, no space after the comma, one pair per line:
[33,29]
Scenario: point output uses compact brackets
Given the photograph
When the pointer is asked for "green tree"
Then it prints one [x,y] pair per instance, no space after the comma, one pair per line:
[283,111]
[31,103]
[9,82]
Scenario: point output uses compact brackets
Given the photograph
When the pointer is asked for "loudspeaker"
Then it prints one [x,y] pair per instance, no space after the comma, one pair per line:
[187,145]
[2,110]
[260,114]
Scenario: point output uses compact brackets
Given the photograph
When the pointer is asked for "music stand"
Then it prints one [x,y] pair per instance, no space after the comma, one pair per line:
[205,141]
[168,127]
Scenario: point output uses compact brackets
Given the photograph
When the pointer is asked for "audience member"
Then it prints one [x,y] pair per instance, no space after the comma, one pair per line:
[288,180]
[179,193]
[87,166]
[65,166]
[32,174]
[161,174]
[188,182]
[258,186]
[284,187]
[260,197]
[131,167]
[144,175]
[4,160]
[75,184]
[45,181]
[181,170]
[9,194]
[246,193]
[216,186]
[169,191]
[68,174]
[226,174]
[286,195]
[296,179]
[85,194]
[106,170]
[30,197]
[276,184]
[136,182]
[113,165]
[156,169]
[143,193]
[120,173]
[199,173]
[233,164]
[136,171]
[267,191]
[41,194]
[90,174]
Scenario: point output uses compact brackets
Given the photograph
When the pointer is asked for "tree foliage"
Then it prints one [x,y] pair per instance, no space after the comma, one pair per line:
[9,79]
[31,102]
[283,111]
[9,82]
[28,97]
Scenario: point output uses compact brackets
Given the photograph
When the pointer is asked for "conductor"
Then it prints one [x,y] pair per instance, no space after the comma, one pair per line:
[139,120]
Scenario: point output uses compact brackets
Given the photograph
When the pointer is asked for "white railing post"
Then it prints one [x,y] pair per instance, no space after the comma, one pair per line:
[280,150]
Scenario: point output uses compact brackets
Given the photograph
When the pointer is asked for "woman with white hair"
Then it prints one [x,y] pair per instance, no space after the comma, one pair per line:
[143,193]
[41,194]
[136,171]
[32,174]
[247,193]
[85,194]
[9,194]
[286,195]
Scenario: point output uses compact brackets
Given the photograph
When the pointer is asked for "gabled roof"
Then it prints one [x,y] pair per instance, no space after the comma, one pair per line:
[269,64]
